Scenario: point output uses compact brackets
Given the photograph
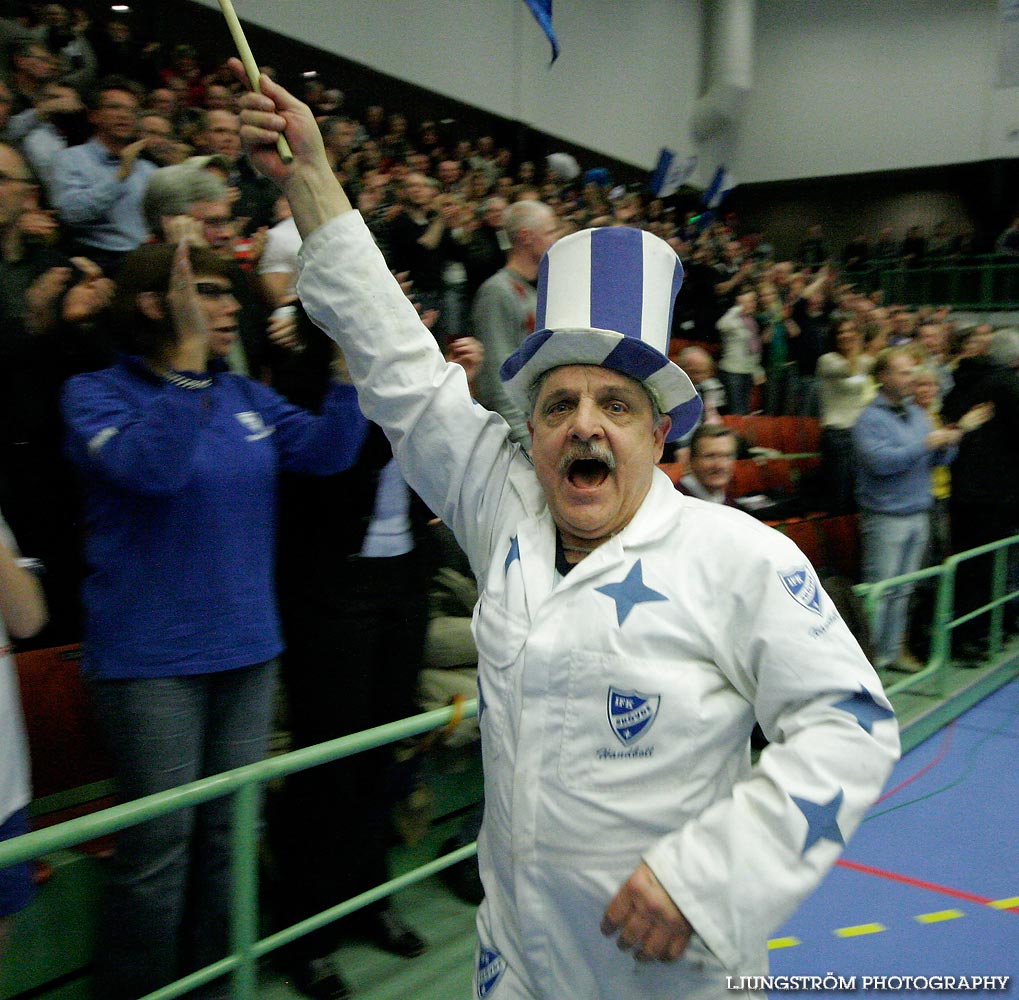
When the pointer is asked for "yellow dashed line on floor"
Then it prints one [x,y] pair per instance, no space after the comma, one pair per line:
[860,930]
[786,942]
[934,918]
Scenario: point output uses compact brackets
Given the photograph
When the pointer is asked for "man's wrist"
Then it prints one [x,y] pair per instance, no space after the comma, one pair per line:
[315,196]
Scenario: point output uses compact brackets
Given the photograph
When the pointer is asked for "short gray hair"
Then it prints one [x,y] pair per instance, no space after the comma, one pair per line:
[173,190]
[525,215]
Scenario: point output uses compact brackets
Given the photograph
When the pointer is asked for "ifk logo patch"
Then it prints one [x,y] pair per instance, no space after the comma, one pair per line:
[803,588]
[253,422]
[491,966]
[632,714]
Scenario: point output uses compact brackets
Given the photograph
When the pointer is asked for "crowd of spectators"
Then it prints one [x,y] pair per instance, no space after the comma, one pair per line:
[109,142]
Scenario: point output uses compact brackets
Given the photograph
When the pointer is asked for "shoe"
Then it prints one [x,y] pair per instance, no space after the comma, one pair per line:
[388,932]
[320,980]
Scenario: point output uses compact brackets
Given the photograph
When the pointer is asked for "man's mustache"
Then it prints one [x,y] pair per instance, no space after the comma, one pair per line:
[586,450]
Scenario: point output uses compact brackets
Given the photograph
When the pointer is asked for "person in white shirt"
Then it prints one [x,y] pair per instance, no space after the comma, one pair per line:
[22,614]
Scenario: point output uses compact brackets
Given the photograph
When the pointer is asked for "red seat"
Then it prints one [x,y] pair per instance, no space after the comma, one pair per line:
[842,536]
[747,478]
[64,742]
[674,470]
[808,537]
[778,476]
[808,435]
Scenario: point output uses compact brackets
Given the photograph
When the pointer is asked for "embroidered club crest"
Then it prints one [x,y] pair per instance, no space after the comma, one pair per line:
[632,714]
[803,588]
[491,966]
[252,421]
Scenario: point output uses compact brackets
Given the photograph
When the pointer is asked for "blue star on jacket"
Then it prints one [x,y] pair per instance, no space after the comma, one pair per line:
[513,554]
[865,709]
[630,592]
[822,820]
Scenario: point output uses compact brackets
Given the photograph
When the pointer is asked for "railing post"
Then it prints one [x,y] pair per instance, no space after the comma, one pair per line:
[244,899]
[986,285]
[998,580]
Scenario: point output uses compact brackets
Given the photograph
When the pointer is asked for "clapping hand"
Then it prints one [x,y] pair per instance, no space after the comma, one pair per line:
[189,319]
[976,417]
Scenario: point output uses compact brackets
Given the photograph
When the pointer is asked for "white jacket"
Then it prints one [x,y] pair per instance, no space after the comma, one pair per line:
[617,702]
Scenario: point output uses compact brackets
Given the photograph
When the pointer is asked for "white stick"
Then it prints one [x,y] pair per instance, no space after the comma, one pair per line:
[250,67]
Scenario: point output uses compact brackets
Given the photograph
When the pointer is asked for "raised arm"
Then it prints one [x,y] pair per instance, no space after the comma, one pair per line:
[456,456]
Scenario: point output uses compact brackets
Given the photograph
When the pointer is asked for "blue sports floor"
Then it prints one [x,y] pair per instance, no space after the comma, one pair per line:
[930,882]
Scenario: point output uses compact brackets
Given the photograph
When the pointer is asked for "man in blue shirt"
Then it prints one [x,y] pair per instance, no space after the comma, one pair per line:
[98,186]
[896,447]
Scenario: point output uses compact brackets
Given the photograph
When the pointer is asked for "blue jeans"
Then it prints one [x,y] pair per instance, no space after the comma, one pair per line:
[893,544]
[739,390]
[167,898]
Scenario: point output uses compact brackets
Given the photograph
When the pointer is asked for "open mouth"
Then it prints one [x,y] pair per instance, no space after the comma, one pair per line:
[587,473]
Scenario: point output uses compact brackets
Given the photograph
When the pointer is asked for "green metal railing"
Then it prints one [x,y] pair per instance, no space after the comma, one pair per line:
[244,784]
[984,282]
[945,623]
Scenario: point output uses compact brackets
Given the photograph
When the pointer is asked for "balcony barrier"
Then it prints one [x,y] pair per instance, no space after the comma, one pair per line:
[244,785]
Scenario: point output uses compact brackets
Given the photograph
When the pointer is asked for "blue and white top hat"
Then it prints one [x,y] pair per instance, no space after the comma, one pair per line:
[605,297]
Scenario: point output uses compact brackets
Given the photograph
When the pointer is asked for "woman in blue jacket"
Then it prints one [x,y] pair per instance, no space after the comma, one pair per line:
[180,460]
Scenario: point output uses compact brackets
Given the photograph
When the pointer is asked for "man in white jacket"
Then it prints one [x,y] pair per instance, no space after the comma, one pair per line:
[628,637]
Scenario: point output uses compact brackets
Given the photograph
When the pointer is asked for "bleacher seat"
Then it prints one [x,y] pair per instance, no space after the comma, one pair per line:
[807,534]
[788,435]
[842,544]
[674,470]
[64,742]
[747,478]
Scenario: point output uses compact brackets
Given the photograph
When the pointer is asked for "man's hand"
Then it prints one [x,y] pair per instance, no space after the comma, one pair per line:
[266,116]
[41,298]
[282,329]
[647,920]
[129,155]
[468,353]
[941,437]
[976,417]
[309,183]
[40,225]
[90,295]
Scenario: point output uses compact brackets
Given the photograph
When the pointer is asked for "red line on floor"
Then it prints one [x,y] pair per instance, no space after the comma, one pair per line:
[920,884]
[946,743]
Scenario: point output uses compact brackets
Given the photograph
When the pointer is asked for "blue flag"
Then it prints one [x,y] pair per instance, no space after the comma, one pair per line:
[542,11]
[670,173]
[721,184]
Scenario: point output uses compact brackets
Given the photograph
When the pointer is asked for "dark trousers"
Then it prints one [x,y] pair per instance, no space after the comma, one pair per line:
[349,665]
[837,475]
[975,524]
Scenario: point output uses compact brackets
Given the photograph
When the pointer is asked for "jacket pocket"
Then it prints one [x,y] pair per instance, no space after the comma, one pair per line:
[500,638]
[629,722]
